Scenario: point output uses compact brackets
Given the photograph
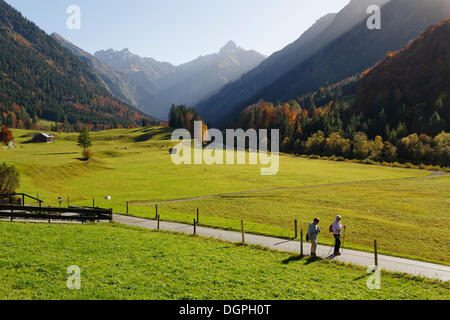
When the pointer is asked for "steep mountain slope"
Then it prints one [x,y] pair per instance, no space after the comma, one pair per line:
[185,84]
[412,85]
[115,81]
[45,79]
[360,48]
[240,94]
[145,72]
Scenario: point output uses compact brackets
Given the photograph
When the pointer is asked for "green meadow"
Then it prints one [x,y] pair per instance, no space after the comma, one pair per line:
[406,210]
[119,262]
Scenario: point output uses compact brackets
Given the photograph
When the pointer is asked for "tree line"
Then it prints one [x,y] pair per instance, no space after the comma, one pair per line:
[330,131]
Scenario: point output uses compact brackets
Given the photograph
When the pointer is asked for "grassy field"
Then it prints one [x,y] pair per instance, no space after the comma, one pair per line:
[405,220]
[119,262]
[406,211]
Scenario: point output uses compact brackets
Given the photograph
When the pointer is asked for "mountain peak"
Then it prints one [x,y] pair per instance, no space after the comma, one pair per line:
[229,47]
[56,35]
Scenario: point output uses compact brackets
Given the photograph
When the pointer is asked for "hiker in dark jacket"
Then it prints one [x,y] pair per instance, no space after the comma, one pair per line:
[313,234]
[336,229]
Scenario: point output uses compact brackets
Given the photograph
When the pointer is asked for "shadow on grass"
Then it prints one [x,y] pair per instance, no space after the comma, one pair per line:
[362,277]
[308,260]
[55,154]
[151,132]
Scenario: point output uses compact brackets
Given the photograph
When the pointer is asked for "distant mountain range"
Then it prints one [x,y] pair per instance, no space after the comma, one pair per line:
[38,77]
[186,84]
[116,82]
[145,72]
[336,47]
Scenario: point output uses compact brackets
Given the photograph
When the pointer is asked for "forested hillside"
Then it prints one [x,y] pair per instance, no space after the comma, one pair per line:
[401,113]
[39,78]
[413,85]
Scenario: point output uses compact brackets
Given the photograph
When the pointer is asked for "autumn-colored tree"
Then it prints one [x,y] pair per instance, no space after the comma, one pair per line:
[315,143]
[376,148]
[442,148]
[361,148]
[337,146]
[389,152]
[6,135]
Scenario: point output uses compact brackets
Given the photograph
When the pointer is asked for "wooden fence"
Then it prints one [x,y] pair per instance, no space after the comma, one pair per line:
[80,214]
[21,196]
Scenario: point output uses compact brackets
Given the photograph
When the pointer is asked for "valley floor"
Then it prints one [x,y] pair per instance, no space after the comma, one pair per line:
[406,210]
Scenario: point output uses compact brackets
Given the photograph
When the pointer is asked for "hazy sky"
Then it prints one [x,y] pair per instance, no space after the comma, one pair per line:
[179,30]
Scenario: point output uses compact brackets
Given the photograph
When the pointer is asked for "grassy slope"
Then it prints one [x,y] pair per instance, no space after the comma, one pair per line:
[135,165]
[119,262]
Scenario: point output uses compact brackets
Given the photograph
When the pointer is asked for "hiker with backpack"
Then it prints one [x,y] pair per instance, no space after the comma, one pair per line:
[336,229]
[313,234]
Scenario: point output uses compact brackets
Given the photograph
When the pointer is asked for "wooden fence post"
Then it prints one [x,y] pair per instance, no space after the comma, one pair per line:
[127,207]
[158,222]
[376,252]
[301,243]
[195,227]
[296,229]
[93,203]
[156,209]
[243,231]
[68,201]
[198,215]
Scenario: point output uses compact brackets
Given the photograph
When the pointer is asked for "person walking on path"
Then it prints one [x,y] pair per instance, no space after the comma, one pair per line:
[313,234]
[336,228]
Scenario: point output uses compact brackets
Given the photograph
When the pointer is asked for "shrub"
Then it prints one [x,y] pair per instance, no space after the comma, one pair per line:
[9,179]
[87,154]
